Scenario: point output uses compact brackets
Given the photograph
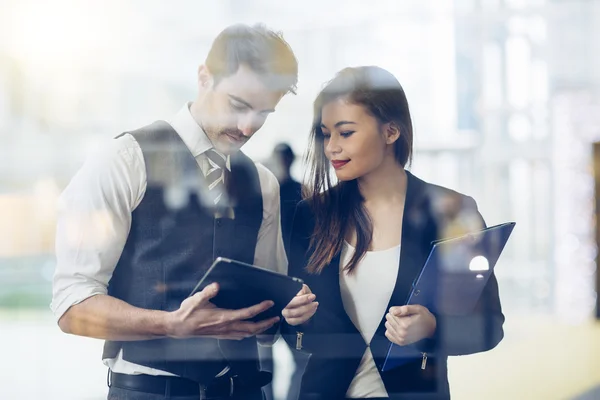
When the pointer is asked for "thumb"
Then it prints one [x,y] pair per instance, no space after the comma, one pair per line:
[305,290]
[401,311]
[207,293]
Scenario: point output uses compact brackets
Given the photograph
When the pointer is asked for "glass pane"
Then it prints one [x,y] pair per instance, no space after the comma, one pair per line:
[492,75]
[518,71]
[519,127]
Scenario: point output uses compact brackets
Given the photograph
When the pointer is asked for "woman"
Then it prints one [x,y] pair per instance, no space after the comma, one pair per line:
[360,242]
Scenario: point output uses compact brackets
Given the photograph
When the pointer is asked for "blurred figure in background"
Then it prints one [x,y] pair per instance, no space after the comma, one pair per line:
[290,190]
[290,194]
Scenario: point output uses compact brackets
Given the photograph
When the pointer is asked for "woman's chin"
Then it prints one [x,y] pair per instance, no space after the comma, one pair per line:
[344,176]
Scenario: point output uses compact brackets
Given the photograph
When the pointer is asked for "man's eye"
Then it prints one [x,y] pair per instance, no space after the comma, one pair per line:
[237,107]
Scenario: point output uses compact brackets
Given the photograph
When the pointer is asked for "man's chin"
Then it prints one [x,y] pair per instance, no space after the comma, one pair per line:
[228,149]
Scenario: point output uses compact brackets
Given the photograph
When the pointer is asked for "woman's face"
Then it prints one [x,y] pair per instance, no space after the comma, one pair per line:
[353,139]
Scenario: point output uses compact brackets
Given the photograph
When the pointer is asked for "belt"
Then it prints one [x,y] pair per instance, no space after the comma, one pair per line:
[222,387]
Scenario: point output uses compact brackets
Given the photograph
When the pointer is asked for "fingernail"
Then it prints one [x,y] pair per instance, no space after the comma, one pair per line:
[312,297]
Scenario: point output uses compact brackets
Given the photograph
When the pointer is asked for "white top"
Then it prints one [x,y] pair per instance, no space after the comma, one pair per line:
[94,218]
[366,294]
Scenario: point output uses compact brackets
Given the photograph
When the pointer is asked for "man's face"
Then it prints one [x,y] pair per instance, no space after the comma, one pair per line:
[235,107]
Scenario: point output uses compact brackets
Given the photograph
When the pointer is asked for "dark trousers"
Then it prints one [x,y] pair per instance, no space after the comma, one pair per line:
[115,393]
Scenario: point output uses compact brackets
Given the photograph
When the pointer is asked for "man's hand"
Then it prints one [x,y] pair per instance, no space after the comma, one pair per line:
[409,324]
[197,316]
[302,307]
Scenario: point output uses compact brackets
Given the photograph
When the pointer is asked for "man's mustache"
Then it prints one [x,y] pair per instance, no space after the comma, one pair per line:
[235,133]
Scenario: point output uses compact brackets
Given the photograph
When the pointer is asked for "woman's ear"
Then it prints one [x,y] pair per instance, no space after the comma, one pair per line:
[392,132]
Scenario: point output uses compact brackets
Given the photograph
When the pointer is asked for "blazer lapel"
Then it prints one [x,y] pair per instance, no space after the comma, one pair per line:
[413,253]
[334,298]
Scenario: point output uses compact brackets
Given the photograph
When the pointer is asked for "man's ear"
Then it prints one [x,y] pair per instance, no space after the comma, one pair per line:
[392,132]
[205,78]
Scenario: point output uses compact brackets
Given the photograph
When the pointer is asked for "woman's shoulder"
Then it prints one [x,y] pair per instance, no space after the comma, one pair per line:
[445,204]
[437,193]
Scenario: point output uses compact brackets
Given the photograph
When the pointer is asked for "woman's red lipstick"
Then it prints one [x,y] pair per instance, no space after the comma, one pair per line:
[337,164]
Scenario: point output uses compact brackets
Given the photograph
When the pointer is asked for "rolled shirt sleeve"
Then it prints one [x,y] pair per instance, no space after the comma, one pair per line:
[94,218]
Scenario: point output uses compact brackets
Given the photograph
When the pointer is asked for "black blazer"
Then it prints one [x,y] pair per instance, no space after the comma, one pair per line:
[335,343]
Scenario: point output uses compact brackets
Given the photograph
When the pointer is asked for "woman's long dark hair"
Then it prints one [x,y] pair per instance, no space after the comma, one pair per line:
[339,207]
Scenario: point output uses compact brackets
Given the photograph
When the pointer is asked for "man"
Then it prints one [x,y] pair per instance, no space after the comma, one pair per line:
[141,223]
[290,190]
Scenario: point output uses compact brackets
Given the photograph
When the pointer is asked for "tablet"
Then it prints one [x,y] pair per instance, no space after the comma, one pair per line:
[243,285]
[453,278]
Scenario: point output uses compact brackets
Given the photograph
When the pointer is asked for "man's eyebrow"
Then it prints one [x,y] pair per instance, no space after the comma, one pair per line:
[245,103]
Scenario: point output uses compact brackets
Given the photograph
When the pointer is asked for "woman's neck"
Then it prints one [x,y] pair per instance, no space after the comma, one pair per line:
[387,184]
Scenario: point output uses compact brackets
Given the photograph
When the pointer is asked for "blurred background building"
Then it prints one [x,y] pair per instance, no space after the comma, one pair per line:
[505,96]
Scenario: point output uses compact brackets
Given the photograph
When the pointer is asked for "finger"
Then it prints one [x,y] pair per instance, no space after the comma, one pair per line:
[392,337]
[207,293]
[301,300]
[250,312]
[299,312]
[398,338]
[299,321]
[399,331]
[234,336]
[414,309]
[302,319]
[305,290]
[254,328]
[249,328]
[404,311]
[264,325]
[402,322]
[393,321]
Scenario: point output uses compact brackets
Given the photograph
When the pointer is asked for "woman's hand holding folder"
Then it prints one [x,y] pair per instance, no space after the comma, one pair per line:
[409,324]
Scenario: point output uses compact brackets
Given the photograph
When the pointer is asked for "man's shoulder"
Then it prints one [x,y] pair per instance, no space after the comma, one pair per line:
[115,151]
[269,187]
[268,181]
[155,130]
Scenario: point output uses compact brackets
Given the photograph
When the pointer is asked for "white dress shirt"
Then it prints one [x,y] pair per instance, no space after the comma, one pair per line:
[366,294]
[94,219]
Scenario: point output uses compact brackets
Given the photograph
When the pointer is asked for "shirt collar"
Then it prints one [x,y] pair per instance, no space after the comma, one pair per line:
[190,132]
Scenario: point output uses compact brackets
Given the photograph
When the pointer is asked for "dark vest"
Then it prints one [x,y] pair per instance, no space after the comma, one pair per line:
[173,240]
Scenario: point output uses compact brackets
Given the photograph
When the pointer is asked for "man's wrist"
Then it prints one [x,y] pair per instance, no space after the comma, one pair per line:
[166,324]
